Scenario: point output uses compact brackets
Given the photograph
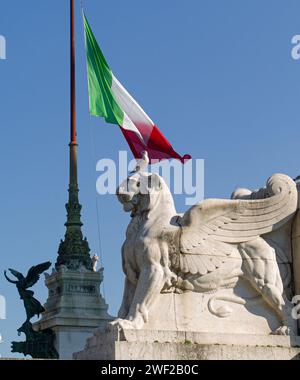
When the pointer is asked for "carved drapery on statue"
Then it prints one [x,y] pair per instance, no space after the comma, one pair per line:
[213,246]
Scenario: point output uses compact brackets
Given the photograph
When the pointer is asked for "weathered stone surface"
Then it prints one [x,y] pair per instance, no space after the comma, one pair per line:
[182,345]
[214,283]
[74,309]
[247,312]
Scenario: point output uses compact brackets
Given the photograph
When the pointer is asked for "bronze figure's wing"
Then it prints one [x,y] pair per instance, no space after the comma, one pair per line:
[34,273]
[17,274]
[8,279]
[207,228]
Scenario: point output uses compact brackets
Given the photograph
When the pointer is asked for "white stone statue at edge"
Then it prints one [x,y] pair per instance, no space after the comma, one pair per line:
[142,163]
[207,248]
[95,260]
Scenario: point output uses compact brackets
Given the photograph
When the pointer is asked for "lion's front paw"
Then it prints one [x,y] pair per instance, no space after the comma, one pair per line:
[122,324]
[282,330]
[135,323]
[169,278]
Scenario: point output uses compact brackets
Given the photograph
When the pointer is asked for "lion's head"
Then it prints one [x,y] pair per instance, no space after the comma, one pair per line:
[140,192]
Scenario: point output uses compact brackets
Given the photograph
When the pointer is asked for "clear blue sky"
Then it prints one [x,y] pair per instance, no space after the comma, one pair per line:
[217,77]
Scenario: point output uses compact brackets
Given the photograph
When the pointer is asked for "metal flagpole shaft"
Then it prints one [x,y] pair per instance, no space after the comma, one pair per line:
[73,138]
[74,250]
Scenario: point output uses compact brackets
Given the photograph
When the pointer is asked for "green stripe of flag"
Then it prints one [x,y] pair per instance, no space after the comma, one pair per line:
[101,98]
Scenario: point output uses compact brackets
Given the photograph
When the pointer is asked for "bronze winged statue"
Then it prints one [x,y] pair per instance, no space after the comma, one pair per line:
[38,344]
[32,306]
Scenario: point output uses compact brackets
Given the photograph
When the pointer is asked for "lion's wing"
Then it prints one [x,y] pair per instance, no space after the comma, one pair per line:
[207,228]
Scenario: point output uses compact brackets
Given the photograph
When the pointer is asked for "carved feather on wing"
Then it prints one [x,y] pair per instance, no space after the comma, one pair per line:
[210,229]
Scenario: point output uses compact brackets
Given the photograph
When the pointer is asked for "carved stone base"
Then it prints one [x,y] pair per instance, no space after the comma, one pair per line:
[240,311]
[74,309]
[180,345]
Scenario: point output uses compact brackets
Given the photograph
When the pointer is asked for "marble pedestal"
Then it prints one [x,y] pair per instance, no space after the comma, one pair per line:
[182,345]
[196,326]
[74,309]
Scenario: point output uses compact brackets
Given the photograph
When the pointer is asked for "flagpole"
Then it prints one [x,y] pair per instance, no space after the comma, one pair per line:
[74,250]
[73,137]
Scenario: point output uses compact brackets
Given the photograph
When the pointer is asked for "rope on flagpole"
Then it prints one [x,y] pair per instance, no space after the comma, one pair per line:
[93,159]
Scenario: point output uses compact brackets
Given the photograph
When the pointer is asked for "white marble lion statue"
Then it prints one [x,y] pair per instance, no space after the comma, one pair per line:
[209,247]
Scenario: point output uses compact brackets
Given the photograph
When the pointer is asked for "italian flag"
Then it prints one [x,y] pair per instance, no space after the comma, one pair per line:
[109,99]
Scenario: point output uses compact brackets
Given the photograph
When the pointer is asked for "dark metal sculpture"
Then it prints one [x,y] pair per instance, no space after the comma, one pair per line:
[32,305]
[38,344]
